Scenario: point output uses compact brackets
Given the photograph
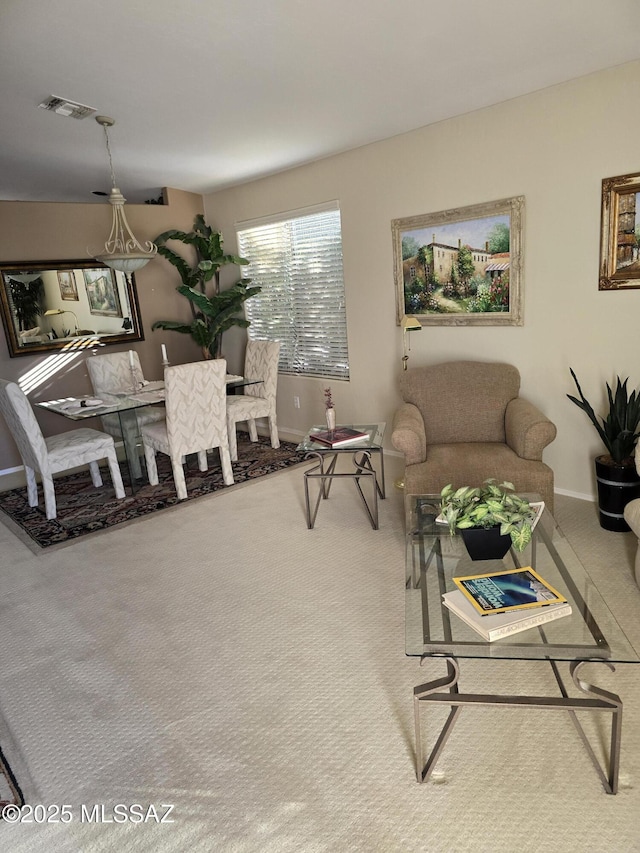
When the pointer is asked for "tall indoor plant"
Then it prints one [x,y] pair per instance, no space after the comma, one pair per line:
[617,479]
[214,310]
[28,301]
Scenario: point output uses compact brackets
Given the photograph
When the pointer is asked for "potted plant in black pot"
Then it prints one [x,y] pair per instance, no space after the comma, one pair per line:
[491,518]
[617,479]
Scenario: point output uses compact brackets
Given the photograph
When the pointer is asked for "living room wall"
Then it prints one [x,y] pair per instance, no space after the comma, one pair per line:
[554,147]
[32,231]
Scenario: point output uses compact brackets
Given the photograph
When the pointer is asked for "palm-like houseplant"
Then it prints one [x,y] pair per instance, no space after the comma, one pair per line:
[28,301]
[619,430]
[616,476]
[213,312]
[490,505]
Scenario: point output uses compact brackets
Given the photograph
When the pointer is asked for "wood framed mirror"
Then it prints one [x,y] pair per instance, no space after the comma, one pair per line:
[53,305]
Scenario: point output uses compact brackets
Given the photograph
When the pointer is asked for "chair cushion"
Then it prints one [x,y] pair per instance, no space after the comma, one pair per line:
[155,435]
[77,447]
[240,407]
[469,464]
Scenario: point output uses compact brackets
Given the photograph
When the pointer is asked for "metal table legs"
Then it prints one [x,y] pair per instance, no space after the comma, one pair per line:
[363,469]
[599,700]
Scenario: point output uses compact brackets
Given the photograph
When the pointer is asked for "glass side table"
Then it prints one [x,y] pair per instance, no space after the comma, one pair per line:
[324,470]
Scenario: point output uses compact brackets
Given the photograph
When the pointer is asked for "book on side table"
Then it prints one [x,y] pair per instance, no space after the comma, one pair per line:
[338,436]
[493,627]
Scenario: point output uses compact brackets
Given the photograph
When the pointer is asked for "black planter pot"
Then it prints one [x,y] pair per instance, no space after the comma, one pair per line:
[617,485]
[485,543]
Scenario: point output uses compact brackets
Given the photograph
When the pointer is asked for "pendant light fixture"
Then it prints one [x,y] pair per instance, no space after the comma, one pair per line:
[122,251]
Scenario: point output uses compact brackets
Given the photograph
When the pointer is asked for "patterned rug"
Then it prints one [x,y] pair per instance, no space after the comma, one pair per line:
[83,509]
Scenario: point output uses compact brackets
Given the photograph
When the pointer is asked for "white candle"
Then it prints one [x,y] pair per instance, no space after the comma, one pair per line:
[164,353]
[131,364]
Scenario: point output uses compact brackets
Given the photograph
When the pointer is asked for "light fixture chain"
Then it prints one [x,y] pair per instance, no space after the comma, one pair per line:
[106,136]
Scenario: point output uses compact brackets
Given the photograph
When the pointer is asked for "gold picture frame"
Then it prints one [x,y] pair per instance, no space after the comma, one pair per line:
[620,233]
[68,285]
[461,267]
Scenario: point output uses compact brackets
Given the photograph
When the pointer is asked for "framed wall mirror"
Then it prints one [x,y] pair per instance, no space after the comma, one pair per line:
[53,305]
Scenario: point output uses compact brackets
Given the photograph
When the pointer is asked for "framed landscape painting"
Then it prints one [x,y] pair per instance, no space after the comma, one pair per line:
[68,286]
[620,233]
[102,292]
[461,267]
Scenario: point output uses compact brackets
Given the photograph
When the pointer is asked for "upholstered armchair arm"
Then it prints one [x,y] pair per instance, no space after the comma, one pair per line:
[408,434]
[527,430]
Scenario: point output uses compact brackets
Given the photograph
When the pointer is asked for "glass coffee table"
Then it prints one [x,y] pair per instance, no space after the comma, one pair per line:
[324,470]
[589,635]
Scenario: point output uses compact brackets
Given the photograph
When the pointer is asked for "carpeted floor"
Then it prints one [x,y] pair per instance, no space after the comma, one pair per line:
[83,509]
[224,659]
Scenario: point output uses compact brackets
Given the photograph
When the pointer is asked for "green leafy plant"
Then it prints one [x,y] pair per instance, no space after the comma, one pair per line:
[28,300]
[214,312]
[619,430]
[489,505]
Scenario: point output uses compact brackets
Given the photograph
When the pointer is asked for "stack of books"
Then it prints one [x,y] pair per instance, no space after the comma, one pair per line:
[498,604]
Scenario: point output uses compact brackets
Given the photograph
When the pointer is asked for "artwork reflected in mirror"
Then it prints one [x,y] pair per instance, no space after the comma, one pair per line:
[56,304]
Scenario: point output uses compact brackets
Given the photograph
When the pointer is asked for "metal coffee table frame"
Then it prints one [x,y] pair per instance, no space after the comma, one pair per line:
[324,470]
[445,690]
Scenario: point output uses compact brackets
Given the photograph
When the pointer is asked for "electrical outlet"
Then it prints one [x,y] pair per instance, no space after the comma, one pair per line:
[296,402]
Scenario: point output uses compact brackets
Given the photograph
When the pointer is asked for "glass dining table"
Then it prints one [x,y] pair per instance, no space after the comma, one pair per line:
[126,405]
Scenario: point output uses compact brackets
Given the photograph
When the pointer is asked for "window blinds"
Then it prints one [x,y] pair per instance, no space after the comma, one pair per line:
[296,259]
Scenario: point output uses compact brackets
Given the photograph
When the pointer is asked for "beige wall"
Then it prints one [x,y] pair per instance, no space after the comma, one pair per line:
[32,231]
[554,147]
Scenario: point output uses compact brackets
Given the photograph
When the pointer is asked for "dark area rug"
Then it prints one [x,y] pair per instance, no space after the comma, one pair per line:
[83,509]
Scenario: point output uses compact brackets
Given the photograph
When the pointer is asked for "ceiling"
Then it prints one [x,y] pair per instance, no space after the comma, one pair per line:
[211,93]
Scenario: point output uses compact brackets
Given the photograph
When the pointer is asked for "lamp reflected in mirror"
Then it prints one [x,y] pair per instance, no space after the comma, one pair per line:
[56,312]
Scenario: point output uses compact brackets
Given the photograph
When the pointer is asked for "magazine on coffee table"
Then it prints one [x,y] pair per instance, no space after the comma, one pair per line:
[506,590]
[498,625]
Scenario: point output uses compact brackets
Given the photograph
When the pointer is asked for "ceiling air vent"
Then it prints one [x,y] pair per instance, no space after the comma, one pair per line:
[66,108]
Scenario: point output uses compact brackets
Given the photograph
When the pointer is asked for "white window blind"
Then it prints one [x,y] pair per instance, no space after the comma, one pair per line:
[296,258]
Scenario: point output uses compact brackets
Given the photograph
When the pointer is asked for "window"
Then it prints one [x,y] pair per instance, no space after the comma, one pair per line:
[296,258]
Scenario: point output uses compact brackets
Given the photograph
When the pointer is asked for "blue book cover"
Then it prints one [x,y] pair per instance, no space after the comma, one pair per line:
[512,589]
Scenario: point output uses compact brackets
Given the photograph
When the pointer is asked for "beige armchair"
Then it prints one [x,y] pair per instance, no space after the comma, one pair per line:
[632,517]
[462,422]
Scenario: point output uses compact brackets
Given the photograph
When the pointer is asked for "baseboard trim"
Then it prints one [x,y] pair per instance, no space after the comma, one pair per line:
[579,495]
[7,471]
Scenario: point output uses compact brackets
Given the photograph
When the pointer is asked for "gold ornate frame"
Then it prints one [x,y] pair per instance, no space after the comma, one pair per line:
[619,245]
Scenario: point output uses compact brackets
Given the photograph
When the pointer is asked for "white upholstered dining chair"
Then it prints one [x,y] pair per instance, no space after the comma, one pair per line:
[55,453]
[195,401]
[258,401]
[111,374]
